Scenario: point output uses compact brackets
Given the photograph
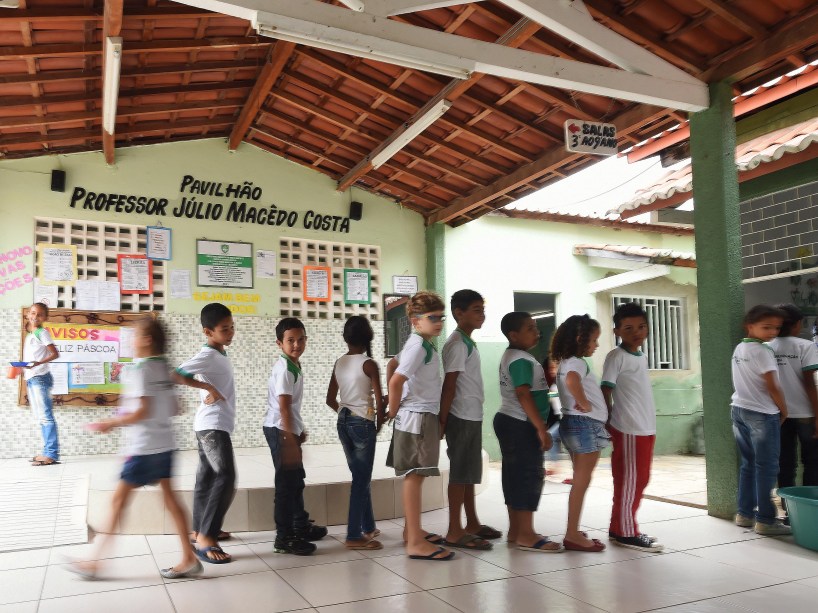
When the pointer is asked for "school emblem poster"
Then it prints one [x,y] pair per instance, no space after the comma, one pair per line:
[224,264]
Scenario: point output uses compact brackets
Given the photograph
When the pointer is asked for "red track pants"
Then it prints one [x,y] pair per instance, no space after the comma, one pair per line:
[630,463]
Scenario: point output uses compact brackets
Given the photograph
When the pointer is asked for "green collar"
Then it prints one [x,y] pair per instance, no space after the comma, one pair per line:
[292,366]
[752,340]
[470,344]
[636,353]
[430,349]
[222,351]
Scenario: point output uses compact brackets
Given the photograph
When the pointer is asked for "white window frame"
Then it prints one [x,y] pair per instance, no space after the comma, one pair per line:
[667,341]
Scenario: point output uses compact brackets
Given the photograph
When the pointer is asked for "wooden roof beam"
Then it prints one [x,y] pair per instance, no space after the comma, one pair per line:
[735,17]
[111,28]
[77,50]
[74,14]
[280,55]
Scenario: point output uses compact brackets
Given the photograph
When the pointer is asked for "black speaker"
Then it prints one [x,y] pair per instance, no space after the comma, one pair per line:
[356,210]
[57,180]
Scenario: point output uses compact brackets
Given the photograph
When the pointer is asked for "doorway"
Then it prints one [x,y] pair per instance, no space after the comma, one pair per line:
[542,307]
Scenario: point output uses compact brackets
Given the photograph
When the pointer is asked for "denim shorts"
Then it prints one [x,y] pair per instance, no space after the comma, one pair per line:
[142,470]
[583,434]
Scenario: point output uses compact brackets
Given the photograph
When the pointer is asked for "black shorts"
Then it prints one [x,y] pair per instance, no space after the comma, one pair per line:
[523,473]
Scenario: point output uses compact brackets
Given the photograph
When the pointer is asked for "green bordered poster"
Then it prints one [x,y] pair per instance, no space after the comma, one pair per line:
[224,264]
[357,286]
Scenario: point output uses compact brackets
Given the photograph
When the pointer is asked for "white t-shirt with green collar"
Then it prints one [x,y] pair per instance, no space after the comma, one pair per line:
[460,355]
[35,349]
[213,366]
[599,410]
[419,362]
[286,379]
[752,359]
[518,368]
[797,358]
[634,411]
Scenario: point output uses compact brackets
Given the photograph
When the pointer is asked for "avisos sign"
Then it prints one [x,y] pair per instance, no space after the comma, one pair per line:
[590,137]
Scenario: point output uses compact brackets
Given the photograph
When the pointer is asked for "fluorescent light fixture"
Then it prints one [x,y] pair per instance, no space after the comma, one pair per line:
[364,47]
[545,315]
[410,132]
[110,91]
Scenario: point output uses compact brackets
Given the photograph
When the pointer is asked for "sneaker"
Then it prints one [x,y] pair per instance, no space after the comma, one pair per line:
[640,543]
[294,545]
[312,532]
[743,521]
[652,539]
[775,529]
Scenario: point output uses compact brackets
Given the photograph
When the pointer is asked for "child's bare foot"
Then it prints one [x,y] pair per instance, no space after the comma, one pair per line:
[431,537]
[208,550]
[223,536]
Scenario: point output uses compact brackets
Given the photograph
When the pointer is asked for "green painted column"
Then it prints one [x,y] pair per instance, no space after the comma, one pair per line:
[721,295]
[435,261]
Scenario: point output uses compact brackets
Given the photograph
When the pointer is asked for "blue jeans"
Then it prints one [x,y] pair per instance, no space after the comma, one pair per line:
[758,436]
[357,436]
[39,397]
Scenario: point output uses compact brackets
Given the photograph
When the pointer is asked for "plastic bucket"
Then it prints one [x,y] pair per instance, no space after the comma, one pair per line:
[12,372]
[802,507]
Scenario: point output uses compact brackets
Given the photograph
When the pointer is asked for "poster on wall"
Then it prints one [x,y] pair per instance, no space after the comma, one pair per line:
[98,295]
[56,264]
[180,284]
[159,243]
[224,264]
[357,286]
[316,283]
[46,294]
[405,285]
[135,274]
[265,264]
[84,342]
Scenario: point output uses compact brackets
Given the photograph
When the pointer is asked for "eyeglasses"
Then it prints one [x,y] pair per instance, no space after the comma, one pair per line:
[433,318]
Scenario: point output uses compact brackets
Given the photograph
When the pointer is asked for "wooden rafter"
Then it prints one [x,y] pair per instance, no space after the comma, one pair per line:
[78,50]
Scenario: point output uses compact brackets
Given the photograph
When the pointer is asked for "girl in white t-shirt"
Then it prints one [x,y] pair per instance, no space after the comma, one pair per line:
[38,351]
[361,413]
[584,415]
[757,410]
[147,407]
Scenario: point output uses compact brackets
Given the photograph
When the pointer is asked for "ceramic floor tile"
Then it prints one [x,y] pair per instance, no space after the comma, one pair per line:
[674,578]
[713,605]
[118,546]
[244,561]
[699,531]
[251,593]
[774,557]
[462,569]
[793,597]
[405,603]
[20,607]
[138,600]
[116,574]
[24,559]
[341,582]
[329,551]
[164,543]
[21,584]
[515,594]
[811,582]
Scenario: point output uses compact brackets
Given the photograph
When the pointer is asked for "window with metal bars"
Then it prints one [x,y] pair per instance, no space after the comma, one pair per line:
[665,345]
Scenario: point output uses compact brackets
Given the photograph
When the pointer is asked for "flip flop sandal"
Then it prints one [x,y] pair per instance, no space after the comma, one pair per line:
[596,547]
[435,539]
[370,545]
[470,541]
[433,556]
[202,555]
[488,533]
[539,546]
[44,463]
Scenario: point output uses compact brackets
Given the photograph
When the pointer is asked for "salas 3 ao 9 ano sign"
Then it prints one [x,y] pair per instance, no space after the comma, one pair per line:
[590,137]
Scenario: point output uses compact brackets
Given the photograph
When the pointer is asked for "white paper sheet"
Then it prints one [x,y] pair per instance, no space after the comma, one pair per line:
[317,282]
[126,336]
[98,296]
[87,373]
[180,284]
[135,274]
[47,294]
[59,372]
[159,242]
[265,264]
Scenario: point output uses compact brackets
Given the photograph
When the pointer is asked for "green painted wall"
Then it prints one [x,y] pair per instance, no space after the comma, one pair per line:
[499,256]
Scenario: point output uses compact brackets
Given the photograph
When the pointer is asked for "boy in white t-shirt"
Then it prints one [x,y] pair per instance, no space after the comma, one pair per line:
[632,425]
[461,422]
[38,351]
[797,360]
[210,372]
[285,433]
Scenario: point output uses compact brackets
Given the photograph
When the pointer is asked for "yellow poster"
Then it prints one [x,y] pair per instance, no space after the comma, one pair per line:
[56,264]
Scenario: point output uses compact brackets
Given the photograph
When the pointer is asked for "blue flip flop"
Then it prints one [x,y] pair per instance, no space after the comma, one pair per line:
[202,555]
[432,555]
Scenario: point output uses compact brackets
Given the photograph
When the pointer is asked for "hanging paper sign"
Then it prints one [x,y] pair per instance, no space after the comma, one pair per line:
[406,285]
[135,274]
[357,286]
[159,243]
[224,264]
[265,264]
[590,137]
[56,264]
[316,283]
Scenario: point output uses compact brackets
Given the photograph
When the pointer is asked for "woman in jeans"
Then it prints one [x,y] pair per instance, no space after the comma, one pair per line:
[356,379]
[38,350]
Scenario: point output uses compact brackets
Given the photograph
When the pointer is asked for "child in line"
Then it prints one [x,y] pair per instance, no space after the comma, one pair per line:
[584,415]
[797,360]
[461,422]
[555,413]
[210,372]
[147,407]
[414,404]
[758,410]
[360,417]
[521,431]
[285,433]
[38,351]
[628,395]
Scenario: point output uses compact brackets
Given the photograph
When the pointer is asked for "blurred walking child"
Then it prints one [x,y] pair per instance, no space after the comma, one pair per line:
[211,373]
[147,407]
[584,415]
[285,433]
[629,397]
[361,413]
[521,431]
[38,351]
[414,404]
[758,410]
[461,422]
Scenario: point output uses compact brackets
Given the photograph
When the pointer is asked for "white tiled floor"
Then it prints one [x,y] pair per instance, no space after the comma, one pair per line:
[711,566]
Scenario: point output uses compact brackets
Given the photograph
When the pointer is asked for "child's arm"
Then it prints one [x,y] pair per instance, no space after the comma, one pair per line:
[607,394]
[574,385]
[53,354]
[395,388]
[372,371]
[529,406]
[446,399]
[127,419]
[774,389]
[332,393]
[188,380]
[290,451]
[391,367]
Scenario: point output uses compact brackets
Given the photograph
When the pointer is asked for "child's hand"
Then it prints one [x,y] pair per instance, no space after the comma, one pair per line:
[290,451]
[302,438]
[582,409]
[545,438]
[100,426]
[442,429]
[381,419]
[782,417]
[213,396]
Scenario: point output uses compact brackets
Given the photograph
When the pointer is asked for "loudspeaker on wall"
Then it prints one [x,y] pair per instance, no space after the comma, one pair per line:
[356,210]
[57,180]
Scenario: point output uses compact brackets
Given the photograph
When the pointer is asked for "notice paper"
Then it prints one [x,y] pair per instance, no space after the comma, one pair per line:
[87,373]
[158,243]
[316,283]
[126,336]
[98,296]
[135,274]
[47,294]
[58,264]
[265,264]
[180,284]
[59,372]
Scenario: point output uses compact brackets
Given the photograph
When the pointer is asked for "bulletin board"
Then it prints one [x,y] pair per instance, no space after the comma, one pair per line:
[94,353]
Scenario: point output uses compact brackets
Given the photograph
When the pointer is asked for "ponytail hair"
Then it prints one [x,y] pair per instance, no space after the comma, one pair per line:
[572,337]
[358,333]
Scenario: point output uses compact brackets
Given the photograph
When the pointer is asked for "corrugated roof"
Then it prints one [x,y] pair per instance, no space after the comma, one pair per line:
[764,149]
[650,255]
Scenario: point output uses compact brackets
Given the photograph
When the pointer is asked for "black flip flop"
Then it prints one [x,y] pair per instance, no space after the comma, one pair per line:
[432,555]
